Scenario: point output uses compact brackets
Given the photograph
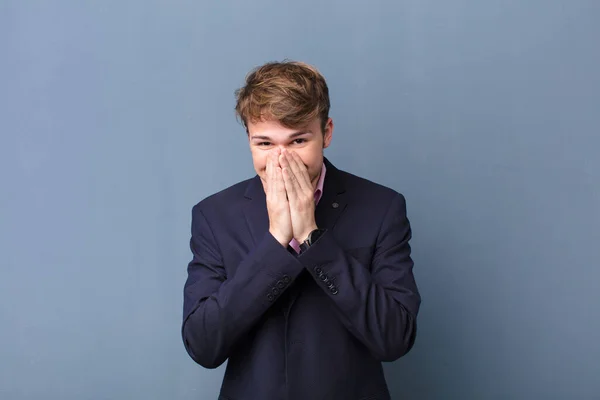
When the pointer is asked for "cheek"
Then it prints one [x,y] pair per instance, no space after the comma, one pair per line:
[259,161]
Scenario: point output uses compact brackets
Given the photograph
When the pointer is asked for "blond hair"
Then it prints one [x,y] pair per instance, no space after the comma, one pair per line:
[290,92]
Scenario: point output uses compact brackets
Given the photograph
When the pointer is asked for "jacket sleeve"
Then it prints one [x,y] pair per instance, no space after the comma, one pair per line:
[219,309]
[377,303]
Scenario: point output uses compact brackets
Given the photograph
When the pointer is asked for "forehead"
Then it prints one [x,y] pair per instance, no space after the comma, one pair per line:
[274,129]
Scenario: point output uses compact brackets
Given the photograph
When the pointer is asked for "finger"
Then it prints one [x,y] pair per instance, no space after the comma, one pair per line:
[277,163]
[280,185]
[293,179]
[291,162]
[269,175]
[284,166]
[290,185]
[272,176]
[300,171]
[275,155]
[284,161]
[270,163]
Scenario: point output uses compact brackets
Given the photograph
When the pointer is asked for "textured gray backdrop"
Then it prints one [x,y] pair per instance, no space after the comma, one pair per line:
[116,117]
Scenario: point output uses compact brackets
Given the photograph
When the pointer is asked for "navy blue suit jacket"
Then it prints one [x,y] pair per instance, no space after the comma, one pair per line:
[301,327]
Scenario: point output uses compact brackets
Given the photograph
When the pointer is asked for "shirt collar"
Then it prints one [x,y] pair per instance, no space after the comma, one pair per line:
[320,183]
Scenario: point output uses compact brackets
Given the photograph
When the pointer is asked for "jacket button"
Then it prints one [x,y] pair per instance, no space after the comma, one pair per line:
[275,291]
[270,297]
[286,279]
[280,285]
[334,291]
[324,278]
[318,270]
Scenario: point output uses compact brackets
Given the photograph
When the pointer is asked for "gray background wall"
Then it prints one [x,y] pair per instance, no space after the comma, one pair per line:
[116,117]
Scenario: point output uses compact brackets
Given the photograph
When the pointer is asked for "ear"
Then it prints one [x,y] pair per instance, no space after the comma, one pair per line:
[327,133]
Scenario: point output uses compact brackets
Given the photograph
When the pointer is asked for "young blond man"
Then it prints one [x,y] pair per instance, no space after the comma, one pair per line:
[301,277]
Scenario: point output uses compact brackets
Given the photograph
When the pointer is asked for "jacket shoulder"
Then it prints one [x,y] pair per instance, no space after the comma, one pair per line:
[226,197]
[365,187]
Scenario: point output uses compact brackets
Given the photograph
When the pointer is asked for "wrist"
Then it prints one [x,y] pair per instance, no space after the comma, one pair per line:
[312,237]
[304,235]
[282,239]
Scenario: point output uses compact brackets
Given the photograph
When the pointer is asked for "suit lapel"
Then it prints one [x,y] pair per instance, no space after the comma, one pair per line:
[333,202]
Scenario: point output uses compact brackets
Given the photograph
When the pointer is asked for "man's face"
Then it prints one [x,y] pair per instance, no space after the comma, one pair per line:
[307,141]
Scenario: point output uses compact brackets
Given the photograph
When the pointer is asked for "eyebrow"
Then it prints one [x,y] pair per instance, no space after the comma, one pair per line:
[292,136]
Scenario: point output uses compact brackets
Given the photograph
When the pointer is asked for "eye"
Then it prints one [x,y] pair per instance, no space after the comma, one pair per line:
[299,141]
[263,144]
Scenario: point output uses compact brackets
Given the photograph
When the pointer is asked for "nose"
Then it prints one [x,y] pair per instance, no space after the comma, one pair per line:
[279,149]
